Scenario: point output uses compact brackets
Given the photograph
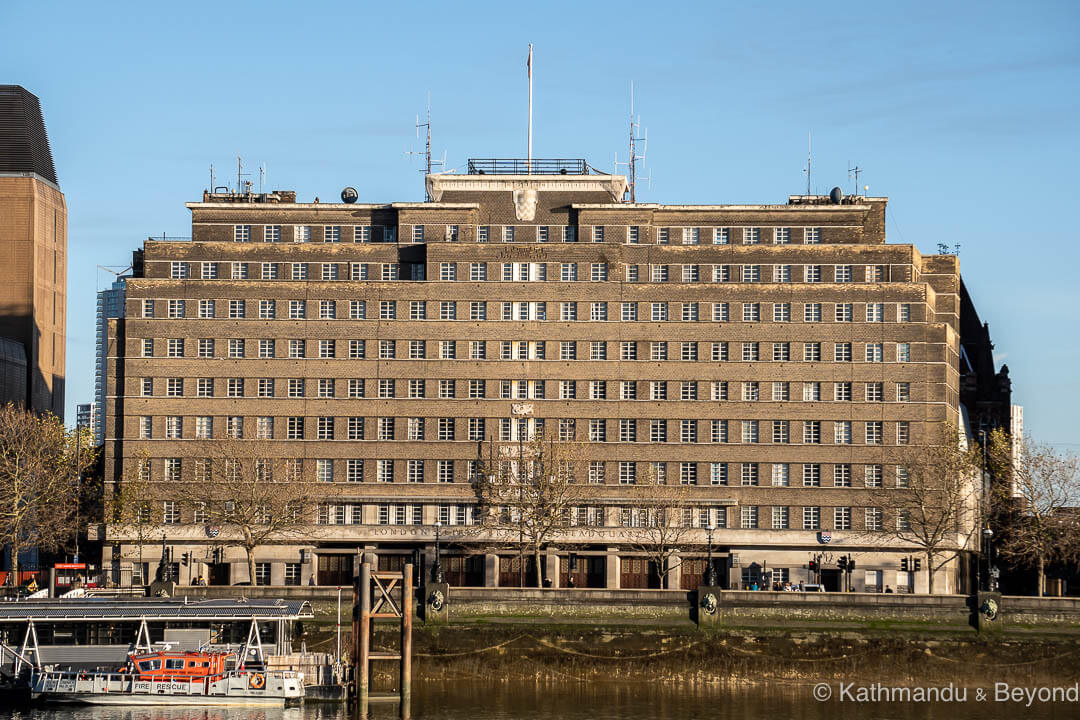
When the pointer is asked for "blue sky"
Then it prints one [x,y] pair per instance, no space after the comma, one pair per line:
[964,114]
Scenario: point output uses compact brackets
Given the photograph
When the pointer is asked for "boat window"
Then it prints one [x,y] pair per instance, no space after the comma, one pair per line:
[148,665]
[174,664]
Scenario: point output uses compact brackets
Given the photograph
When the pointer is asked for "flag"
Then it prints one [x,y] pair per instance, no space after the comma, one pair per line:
[528,63]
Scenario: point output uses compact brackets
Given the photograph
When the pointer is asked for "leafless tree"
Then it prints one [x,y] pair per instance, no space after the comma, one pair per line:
[253,497]
[1036,494]
[658,526]
[935,503]
[128,505]
[525,502]
[39,470]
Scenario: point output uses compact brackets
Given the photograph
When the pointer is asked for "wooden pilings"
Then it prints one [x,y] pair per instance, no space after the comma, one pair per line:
[381,586]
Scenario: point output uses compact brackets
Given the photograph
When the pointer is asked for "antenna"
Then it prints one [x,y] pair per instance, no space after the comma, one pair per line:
[211,177]
[635,158]
[428,162]
[240,175]
[806,169]
[262,177]
[854,172]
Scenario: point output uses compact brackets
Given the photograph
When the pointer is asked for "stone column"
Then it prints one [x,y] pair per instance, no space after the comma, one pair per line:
[491,570]
[552,561]
[674,578]
[611,568]
[277,573]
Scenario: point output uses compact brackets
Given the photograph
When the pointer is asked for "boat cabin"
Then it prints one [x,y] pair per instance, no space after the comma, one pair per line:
[178,665]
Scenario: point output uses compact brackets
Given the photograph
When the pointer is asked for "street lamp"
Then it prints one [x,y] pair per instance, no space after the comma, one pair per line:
[436,569]
[710,571]
[988,548]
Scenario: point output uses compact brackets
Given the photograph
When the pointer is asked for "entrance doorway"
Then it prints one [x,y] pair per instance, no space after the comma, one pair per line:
[218,574]
[830,580]
[335,570]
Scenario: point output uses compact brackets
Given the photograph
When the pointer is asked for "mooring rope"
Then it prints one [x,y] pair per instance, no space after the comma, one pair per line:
[1025,662]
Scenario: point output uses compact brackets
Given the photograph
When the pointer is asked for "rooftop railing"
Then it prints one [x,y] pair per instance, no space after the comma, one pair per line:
[523,166]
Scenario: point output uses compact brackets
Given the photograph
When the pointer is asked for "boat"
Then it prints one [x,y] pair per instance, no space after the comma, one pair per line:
[165,677]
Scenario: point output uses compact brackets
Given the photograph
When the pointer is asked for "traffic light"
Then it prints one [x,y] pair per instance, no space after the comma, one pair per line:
[186,559]
[903,564]
[842,562]
[813,566]
[918,564]
[851,564]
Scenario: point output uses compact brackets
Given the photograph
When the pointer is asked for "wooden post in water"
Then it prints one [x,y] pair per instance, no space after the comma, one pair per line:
[406,635]
[363,659]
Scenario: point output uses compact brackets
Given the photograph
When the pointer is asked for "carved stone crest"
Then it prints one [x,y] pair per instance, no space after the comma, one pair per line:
[525,204]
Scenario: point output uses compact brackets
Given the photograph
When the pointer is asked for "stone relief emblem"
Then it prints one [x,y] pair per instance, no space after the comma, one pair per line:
[709,603]
[525,204]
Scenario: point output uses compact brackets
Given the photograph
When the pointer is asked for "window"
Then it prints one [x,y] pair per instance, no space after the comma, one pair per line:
[327,309]
[844,274]
[234,427]
[781,312]
[391,271]
[568,272]
[148,308]
[688,473]
[903,392]
[811,391]
[170,512]
[301,233]
[875,312]
[269,271]
[174,387]
[178,270]
[598,272]
[780,518]
[209,271]
[903,520]
[812,312]
[903,312]
[718,473]
[842,391]
[239,271]
[688,431]
[324,470]
[842,352]
[748,517]
[751,273]
[842,475]
[842,432]
[598,234]
[204,387]
[174,427]
[781,351]
[812,432]
[749,474]
[781,475]
[294,428]
[813,273]
[234,387]
[781,236]
[844,312]
[751,236]
[873,518]
[264,428]
[811,518]
[627,473]
[176,308]
[903,432]
[299,271]
[719,351]
[781,431]
[875,352]
[750,352]
[721,273]
[657,390]
[903,352]
[873,432]
[903,477]
[842,518]
[872,475]
[781,391]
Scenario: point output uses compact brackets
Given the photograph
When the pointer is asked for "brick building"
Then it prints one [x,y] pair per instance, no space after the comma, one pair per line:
[771,357]
[33,258]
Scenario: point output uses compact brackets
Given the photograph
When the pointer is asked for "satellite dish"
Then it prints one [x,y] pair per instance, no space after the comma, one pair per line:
[836,195]
[349,195]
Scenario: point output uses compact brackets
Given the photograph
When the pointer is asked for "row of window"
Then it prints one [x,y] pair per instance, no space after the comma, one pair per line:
[747,351]
[674,390]
[544,233]
[745,474]
[530,272]
[871,312]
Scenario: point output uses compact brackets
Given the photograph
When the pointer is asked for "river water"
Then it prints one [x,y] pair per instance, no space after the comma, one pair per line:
[471,700]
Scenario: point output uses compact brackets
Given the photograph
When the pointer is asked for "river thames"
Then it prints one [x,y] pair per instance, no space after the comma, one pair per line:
[474,700]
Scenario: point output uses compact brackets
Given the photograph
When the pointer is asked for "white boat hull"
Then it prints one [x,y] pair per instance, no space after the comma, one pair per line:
[273,688]
[125,699]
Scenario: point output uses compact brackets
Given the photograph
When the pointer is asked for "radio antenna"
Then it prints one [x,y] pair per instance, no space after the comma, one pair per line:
[635,157]
[854,172]
[809,158]
[428,162]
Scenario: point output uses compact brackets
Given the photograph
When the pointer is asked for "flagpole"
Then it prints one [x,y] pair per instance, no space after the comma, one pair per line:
[529,166]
